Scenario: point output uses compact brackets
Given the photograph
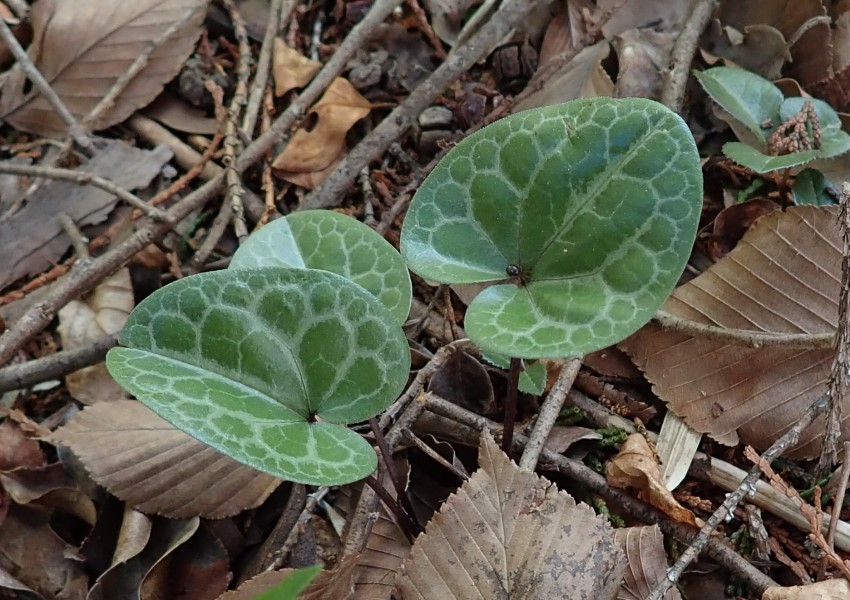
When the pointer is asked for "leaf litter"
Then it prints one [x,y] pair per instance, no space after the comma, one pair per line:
[151,542]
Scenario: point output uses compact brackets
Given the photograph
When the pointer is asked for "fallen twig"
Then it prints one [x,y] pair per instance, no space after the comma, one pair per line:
[548,414]
[743,337]
[684,49]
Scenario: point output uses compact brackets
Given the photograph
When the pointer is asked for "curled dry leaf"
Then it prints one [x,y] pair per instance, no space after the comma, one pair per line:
[290,68]
[146,461]
[40,560]
[339,108]
[103,313]
[783,277]
[83,48]
[646,560]
[507,533]
[833,589]
[635,466]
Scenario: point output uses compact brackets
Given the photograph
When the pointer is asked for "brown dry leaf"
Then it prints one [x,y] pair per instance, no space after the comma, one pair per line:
[664,15]
[82,48]
[462,380]
[38,558]
[49,487]
[17,449]
[125,579]
[339,108]
[290,68]
[646,560]
[176,113]
[635,466]
[104,312]
[509,533]
[759,48]
[833,589]
[144,460]
[582,77]
[783,277]
[33,239]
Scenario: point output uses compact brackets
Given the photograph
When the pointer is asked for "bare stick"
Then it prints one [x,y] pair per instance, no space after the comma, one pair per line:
[595,483]
[395,476]
[74,128]
[733,499]
[683,54]
[20,7]
[838,500]
[278,16]
[78,240]
[743,337]
[22,375]
[837,386]
[510,404]
[86,178]
[141,61]
[407,525]
[549,414]
[214,235]
[460,60]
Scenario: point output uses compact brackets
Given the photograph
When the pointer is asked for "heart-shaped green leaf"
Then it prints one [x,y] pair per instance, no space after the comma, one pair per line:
[813,187]
[330,241]
[591,207]
[264,364]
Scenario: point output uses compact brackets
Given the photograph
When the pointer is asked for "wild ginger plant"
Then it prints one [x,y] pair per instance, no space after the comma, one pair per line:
[267,362]
[581,216]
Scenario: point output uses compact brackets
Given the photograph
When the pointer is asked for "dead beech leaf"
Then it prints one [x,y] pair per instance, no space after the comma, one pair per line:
[783,277]
[832,589]
[643,55]
[82,48]
[290,68]
[49,487]
[507,533]
[104,312]
[17,449]
[178,114]
[635,466]
[646,560]
[339,108]
[145,461]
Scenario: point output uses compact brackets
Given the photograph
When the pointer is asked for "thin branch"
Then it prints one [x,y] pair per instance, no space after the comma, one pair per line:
[548,414]
[747,486]
[837,386]
[84,178]
[392,471]
[74,128]
[510,405]
[232,142]
[838,500]
[433,454]
[683,54]
[277,17]
[59,364]
[78,240]
[459,61]
[743,337]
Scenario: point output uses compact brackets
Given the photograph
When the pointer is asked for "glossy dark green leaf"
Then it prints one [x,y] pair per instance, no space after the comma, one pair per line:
[590,206]
[265,365]
[331,241]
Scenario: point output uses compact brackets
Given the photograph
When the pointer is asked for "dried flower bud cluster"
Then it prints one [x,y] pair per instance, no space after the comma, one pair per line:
[800,132]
